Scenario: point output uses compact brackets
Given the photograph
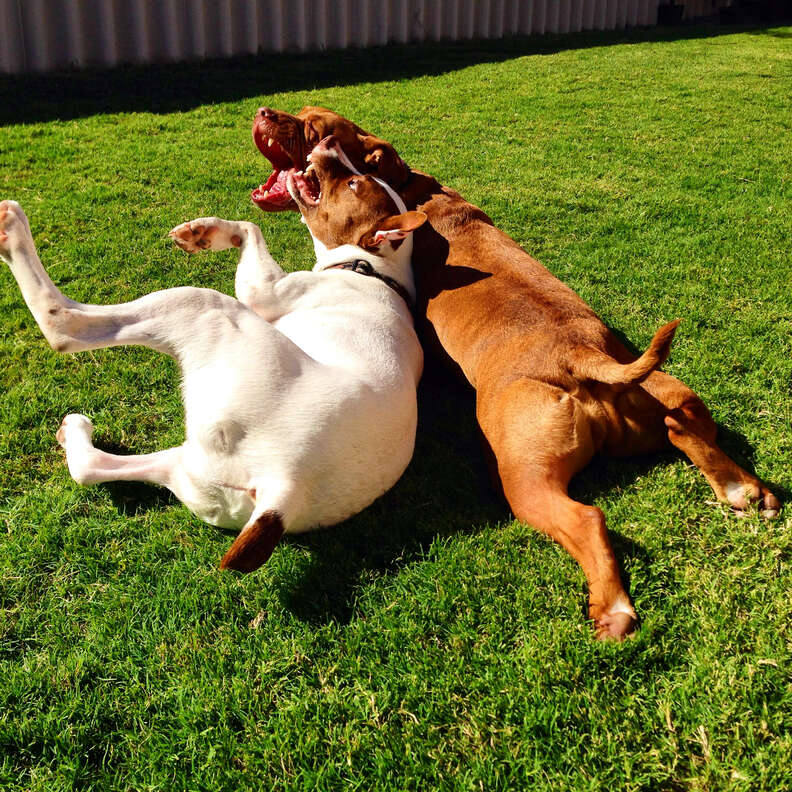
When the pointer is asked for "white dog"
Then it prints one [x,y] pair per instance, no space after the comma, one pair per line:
[300,395]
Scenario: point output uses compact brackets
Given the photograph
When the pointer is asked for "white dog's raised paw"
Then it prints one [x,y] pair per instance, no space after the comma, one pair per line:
[75,429]
[207,233]
[14,227]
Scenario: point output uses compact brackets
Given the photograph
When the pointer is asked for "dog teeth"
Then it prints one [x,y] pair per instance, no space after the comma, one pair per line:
[270,142]
[310,168]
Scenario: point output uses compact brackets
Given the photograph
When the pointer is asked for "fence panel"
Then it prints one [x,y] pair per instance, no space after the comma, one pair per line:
[42,35]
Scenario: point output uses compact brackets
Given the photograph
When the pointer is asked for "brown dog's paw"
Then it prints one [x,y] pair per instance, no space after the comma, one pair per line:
[616,622]
[615,626]
[751,492]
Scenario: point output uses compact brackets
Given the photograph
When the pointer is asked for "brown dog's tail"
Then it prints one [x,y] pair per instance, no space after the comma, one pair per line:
[590,363]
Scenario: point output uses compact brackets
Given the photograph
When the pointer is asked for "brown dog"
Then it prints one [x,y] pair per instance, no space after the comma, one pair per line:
[553,384]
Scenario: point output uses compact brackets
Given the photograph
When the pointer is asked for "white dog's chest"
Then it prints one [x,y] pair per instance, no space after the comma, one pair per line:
[344,320]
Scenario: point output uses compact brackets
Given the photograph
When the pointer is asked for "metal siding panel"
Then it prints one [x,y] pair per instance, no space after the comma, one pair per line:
[495,24]
[417,23]
[481,20]
[338,24]
[358,23]
[450,21]
[587,15]
[400,21]
[294,28]
[237,28]
[540,16]
[434,20]
[576,15]
[379,20]
[552,16]
[511,17]
[526,16]
[467,19]
[37,35]
[611,14]
[12,49]
[564,16]
[34,34]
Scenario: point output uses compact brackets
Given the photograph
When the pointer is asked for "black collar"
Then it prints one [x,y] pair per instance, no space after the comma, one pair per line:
[365,268]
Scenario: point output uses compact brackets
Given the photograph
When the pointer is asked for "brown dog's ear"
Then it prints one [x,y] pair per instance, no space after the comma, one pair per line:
[382,160]
[398,227]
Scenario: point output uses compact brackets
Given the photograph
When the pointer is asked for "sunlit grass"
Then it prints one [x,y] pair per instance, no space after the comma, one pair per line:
[431,642]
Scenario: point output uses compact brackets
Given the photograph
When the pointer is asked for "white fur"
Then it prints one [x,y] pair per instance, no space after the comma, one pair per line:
[300,395]
[622,605]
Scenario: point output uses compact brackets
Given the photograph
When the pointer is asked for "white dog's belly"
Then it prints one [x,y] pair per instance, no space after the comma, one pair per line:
[319,454]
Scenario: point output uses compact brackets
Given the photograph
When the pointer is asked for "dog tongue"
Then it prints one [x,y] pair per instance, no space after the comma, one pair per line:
[273,195]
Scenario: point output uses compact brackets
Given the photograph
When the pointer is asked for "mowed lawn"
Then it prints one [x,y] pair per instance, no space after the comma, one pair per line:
[431,643]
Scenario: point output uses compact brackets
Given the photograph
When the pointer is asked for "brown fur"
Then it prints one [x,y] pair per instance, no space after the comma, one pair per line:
[553,384]
[255,544]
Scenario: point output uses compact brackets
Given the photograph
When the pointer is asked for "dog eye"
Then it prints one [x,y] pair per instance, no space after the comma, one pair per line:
[353,184]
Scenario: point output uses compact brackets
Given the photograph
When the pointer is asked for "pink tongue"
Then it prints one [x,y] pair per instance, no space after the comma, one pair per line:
[279,189]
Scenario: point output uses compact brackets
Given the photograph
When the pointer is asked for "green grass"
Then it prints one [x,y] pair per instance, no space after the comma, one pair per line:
[431,642]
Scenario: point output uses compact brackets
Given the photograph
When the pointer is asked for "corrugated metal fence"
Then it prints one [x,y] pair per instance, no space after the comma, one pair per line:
[41,35]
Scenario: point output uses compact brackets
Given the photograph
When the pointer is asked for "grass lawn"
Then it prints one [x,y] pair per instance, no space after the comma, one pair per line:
[432,643]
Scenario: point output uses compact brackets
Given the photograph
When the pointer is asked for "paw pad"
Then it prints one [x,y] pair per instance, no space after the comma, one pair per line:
[193,237]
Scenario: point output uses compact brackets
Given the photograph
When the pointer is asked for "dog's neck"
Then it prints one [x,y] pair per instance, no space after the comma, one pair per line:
[395,264]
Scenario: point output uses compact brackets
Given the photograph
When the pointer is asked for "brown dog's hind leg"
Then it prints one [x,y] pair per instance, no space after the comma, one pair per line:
[541,437]
[581,530]
[692,430]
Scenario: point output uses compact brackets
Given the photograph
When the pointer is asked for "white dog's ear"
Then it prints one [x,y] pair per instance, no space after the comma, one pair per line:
[398,227]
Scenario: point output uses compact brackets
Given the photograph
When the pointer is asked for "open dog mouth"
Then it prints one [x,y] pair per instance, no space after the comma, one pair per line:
[303,186]
[273,195]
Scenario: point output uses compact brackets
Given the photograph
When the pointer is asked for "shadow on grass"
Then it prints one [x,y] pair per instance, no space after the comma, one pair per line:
[132,498]
[446,491]
[184,86]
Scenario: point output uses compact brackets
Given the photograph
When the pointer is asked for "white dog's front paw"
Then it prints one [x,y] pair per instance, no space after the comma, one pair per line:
[208,233]
[14,229]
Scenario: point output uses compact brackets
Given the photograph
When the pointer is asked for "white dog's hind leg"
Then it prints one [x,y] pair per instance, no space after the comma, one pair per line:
[256,272]
[18,251]
[89,465]
[174,321]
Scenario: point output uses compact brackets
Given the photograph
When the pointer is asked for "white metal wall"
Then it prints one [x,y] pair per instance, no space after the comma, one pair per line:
[41,35]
